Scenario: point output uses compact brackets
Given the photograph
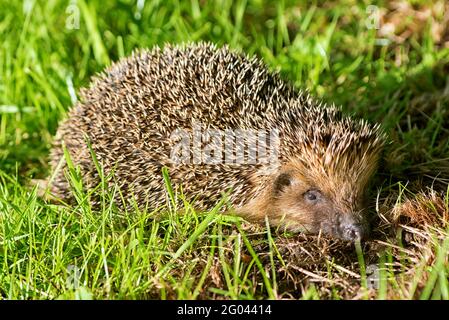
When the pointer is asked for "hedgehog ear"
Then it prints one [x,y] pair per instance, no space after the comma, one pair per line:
[281,182]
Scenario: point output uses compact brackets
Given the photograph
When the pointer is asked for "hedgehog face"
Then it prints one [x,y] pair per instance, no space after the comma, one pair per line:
[316,206]
[327,165]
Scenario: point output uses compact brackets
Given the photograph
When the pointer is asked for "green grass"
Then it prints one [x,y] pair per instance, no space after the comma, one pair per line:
[52,251]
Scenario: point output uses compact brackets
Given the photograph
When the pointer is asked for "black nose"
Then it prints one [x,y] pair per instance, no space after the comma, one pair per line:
[352,232]
[351,227]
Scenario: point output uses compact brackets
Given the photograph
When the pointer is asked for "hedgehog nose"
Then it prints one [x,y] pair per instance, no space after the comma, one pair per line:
[351,229]
[352,232]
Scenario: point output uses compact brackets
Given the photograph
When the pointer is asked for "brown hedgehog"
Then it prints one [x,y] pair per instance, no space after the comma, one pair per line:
[221,122]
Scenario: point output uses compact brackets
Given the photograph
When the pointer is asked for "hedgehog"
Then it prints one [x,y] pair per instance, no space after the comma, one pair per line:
[223,125]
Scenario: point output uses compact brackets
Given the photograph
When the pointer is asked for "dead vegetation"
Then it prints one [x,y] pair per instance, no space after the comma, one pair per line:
[405,248]
[400,21]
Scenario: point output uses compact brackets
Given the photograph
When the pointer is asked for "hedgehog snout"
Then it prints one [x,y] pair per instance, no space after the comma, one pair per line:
[351,230]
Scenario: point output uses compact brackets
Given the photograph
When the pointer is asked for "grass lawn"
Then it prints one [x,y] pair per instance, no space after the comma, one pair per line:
[386,61]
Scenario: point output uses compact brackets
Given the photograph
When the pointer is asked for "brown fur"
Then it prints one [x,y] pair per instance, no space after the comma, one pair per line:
[130,111]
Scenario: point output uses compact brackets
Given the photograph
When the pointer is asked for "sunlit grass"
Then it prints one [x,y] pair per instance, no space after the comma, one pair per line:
[51,251]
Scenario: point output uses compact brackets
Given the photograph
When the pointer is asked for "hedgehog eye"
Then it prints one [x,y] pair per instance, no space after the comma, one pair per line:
[312,196]
[282,181]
